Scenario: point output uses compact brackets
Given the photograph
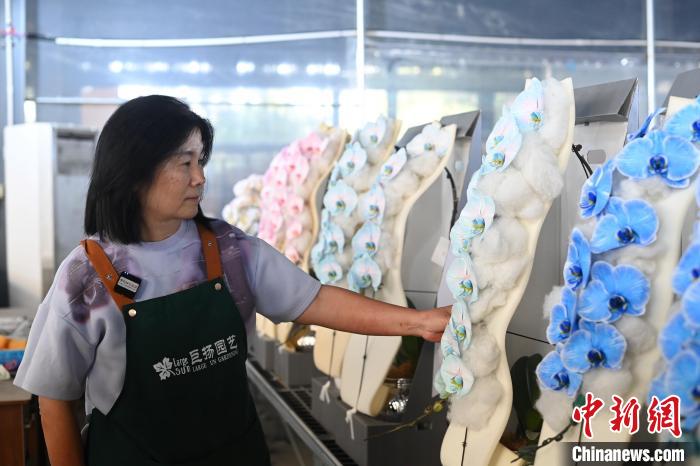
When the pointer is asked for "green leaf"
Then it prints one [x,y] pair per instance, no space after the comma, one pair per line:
[526,392]
[409,350]
[533,421]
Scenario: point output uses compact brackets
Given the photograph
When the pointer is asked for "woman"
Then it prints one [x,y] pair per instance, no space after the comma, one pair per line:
[147,316]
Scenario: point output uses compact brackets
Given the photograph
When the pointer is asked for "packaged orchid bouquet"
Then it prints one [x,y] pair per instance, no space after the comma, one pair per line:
[607,319]
[244,209]
[493,244]
[286,219]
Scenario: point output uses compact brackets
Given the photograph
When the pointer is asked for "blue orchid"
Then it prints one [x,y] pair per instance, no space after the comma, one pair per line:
[690,304]
[449,344]
[686,122]
[683,380]
[473,184]
[562,318]
[317,252]
[503,143]
[330,240]
[325,218]
[553,375]
[528,107]
[612,292]
[671,158]
[678,335]
[690,413]
[593,345]
[578,261]
[363,273]
[596,190]
[373,204]
[328,270]
[333,238]
[623,223]
[461,279]
[460,238]
[657,387]
[353,159]
[642,131]
[474,180]
[477,215]
[457,378]
[688,270]
[392,166]
[340,199]
[366,240]
[474,220]
[440,386]
[690,420]
[460,326]
[335,176]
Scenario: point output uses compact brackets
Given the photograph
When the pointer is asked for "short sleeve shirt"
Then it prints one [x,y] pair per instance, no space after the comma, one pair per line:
[78,339]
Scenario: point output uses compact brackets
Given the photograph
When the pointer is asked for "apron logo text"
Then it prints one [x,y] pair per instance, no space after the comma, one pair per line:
[198,359]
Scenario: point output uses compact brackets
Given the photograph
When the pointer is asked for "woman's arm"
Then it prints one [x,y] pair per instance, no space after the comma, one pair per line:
[345,310]
[61,432]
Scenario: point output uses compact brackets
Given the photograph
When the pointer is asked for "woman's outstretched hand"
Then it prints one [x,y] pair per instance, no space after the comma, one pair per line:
[344,310]
[433,323]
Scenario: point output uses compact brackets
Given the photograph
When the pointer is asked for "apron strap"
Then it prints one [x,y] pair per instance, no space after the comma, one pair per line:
[210,249]
[109,276]
[104,268]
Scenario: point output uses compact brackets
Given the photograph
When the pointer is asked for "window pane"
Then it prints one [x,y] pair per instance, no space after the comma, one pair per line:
[621,19]
[414,108]
[258,97]
[66,71]
[127,19]
[675,21]
[447,78]
[354,114]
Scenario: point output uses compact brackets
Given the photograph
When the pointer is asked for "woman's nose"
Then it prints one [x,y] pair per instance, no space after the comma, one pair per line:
[197,177]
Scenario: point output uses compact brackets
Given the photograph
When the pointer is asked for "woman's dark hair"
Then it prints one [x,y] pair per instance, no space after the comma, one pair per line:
[140,135]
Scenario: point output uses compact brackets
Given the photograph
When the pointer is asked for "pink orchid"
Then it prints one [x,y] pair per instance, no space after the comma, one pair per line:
[267,177]
[264,226]
[280,198]
[294,150]
[292,254]
[298,169]
[312,145]
[270,221]
[277,163]
[266,230]
[279,179]
[267,194]
[295,205]
[267,237]
[272,207]
[294,230]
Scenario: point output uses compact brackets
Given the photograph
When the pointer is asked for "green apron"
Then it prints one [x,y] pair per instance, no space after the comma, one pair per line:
[185,399]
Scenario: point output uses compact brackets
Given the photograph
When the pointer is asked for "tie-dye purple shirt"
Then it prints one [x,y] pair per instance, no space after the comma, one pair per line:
[78,340]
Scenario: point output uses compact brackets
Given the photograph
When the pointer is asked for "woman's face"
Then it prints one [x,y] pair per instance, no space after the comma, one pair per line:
[178,184]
